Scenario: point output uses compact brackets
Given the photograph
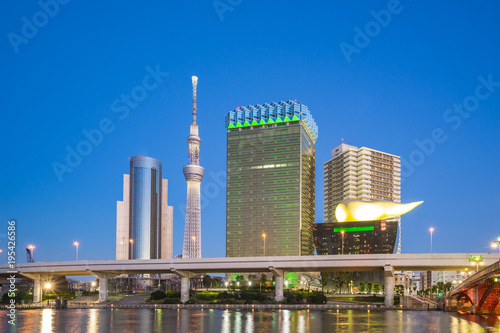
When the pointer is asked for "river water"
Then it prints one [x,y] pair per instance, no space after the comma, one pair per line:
[245,321]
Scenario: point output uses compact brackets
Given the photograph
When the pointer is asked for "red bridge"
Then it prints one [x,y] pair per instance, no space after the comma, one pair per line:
[478,294]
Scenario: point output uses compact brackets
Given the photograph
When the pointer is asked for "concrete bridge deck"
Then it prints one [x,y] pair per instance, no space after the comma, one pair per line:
[187,268]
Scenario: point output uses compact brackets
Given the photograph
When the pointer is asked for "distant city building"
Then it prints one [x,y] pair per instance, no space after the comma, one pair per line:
[359,237]
[270,206]
[144,221]
[193,173]
[431,278]
[409,280]
[361,174]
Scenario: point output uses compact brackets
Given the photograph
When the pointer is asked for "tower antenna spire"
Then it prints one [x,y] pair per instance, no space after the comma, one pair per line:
[194,79]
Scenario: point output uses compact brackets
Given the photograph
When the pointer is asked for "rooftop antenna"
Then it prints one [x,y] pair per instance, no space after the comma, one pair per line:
[194,79]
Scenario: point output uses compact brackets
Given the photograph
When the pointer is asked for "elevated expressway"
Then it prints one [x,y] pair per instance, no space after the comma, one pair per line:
[187,268]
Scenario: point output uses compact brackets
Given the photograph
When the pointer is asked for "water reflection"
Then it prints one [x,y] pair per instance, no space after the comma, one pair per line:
[236,321]
[46,324]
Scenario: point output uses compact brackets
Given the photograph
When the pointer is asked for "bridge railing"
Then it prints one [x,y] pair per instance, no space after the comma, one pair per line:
[479,275]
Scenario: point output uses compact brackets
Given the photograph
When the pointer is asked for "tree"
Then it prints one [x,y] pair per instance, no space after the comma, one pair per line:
[240,281]
[434,289]
[253,279]
[340,279]
[383,288]
[361,287]
[325,277]
[207,281]
[448,286]
[440,286]
[263,281]
[400,289]
[369,287]
[376,288]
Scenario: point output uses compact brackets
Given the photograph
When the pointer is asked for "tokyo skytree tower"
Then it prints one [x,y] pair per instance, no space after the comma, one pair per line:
[194,175]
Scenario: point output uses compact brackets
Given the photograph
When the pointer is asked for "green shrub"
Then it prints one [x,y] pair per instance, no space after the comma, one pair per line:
[173,294]
[294,298]
[317,299]
[225,295]
[157,295]
[207,296]
[171,301]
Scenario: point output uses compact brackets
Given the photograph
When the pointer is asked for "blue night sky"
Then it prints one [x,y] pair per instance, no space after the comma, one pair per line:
[389,86]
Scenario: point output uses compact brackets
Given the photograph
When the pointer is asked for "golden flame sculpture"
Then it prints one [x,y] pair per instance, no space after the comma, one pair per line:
[357,210]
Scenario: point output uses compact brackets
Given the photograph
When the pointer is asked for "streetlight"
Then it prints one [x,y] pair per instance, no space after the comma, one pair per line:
[476,260]
[342,232]
[496,243]
[264,236]
[47,287]
[76,244]
[131,248]
[32,249]
[431,230]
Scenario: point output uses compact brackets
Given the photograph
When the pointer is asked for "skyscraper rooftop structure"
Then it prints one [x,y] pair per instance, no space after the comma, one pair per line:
[270,180]
[144,221]
[193,173]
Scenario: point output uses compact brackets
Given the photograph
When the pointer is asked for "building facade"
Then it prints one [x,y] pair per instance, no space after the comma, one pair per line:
[270,206]
[360,174]
[358,238]
[144,222]
[429,279]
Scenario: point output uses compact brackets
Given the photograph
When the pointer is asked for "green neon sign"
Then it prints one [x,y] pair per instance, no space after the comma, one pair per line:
[263,122]
[352,229]
[475,258]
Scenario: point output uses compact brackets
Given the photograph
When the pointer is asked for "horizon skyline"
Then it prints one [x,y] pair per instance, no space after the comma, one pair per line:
[113,82]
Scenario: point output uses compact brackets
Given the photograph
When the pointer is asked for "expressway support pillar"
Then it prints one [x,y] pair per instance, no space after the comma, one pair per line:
[185,276]
[103,290]
[103,284]
[37,290]
[38,280]
[279,279]
[389,285]
[184,289]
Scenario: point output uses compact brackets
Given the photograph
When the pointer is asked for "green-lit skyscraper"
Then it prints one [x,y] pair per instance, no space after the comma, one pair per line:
[270,180]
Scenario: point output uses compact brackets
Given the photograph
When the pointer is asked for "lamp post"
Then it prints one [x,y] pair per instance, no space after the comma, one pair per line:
[32,249]
[342,232]
[496,243]
[131,248]
[76,244]
[431,230]
[264,236]
[477,260]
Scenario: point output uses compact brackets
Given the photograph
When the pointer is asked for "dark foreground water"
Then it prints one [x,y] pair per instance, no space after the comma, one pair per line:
[234,321]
